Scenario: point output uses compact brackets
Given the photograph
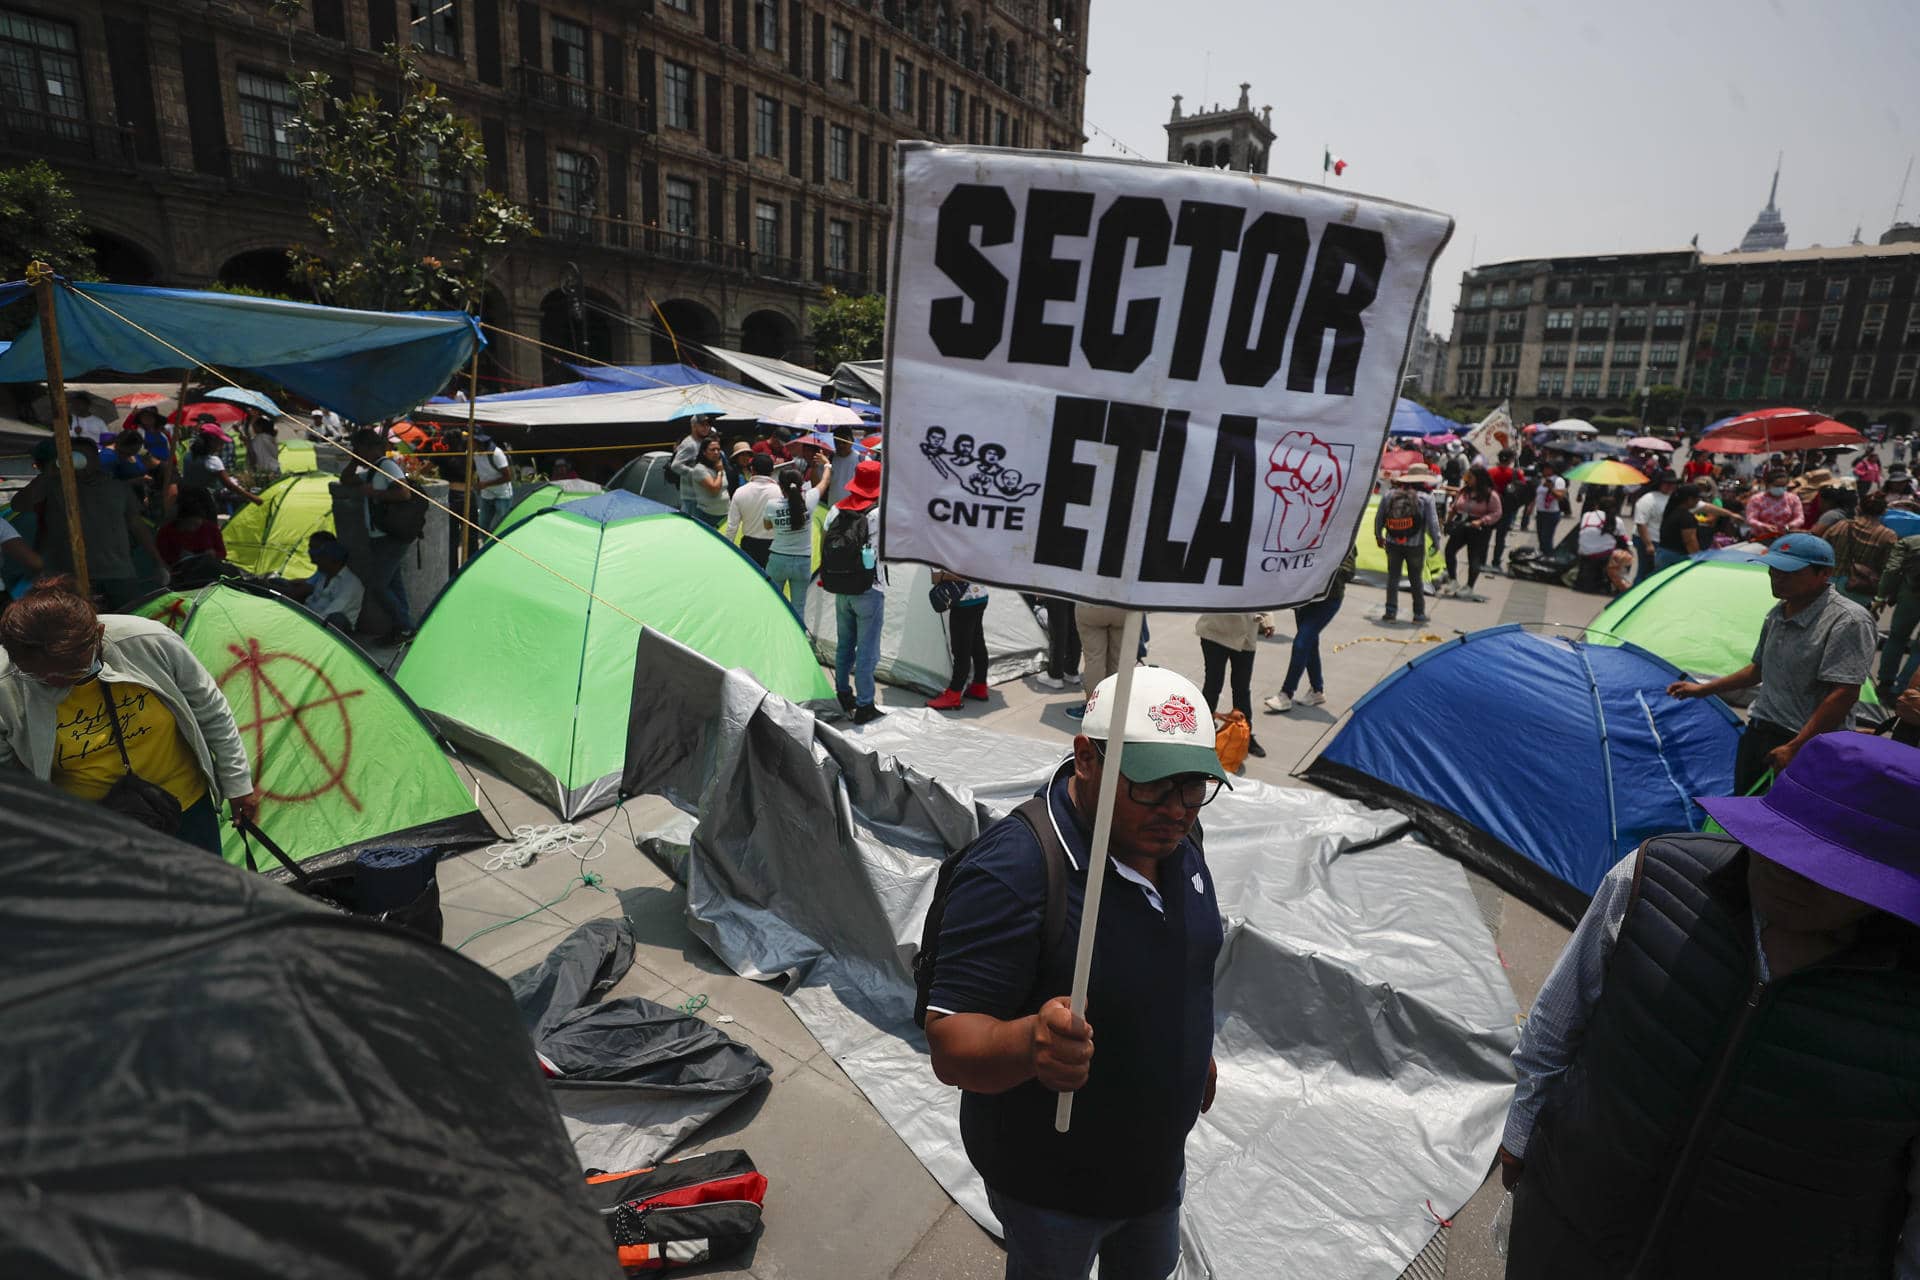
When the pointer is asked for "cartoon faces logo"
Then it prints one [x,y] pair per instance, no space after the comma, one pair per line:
[1306,475]
[1175,715]
[981,470]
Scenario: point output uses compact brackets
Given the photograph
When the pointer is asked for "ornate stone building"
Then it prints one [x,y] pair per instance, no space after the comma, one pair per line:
[1238,138]
[708,166]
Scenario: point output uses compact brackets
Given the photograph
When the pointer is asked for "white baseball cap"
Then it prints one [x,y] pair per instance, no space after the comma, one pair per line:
[1169,727]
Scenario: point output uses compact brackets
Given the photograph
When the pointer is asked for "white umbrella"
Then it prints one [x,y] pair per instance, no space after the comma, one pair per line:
[814,413]
[1571,427]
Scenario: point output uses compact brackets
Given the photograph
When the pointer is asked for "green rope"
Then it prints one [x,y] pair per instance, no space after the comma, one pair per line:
[590,879]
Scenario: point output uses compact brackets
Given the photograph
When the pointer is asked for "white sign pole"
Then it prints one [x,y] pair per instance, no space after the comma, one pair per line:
[1102,834]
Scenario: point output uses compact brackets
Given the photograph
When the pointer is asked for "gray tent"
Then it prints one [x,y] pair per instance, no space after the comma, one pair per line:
[1364,1019]
[914,653]
[647,476]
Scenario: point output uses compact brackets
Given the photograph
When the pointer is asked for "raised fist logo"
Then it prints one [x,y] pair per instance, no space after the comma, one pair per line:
[1306,475]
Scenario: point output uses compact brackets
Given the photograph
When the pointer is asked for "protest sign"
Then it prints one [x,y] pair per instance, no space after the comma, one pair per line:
[1495,434]
[1155,386]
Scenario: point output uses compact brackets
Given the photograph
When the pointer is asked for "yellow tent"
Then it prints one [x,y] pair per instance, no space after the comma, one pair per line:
[1372,557]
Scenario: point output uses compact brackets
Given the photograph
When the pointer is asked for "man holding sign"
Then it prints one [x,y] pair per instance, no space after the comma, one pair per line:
[1188,375]
[1000,1024]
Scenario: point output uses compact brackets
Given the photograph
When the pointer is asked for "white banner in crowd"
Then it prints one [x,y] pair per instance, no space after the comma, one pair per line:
[1495,435]
[1147,385]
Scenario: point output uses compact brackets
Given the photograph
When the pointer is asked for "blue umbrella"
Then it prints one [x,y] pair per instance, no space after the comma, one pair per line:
[1410,419]
[252,399]
[700,409]
[1904,523]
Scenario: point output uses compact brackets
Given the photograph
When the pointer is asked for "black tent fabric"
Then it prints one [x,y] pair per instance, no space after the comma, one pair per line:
[636,1078]
[207,1075]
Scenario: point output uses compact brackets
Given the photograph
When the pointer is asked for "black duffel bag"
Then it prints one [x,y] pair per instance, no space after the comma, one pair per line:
[392,884]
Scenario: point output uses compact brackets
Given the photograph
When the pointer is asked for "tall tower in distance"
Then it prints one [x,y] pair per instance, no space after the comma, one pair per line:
[1239,138]
[1769,230]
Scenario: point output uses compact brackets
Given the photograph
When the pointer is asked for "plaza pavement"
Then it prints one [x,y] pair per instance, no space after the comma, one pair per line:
[847,1200]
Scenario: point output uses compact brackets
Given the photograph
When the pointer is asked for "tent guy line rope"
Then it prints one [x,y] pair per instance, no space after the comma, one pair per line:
[196,362]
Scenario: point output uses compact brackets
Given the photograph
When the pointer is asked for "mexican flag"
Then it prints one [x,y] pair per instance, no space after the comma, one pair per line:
[1333,164]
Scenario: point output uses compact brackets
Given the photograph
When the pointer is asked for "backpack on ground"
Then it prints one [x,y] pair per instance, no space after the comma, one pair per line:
[1400,516]
[697,1209]
[843,559]
[1053,921]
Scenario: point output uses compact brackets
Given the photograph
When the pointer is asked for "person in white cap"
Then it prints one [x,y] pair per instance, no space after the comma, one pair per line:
[994,981]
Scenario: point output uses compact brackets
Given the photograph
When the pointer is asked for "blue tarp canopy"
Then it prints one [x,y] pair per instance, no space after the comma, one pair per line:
[363,365]
[597,380]
[1410,419]
[1590,757]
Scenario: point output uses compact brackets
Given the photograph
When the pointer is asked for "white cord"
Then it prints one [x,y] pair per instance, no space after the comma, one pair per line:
[531,841]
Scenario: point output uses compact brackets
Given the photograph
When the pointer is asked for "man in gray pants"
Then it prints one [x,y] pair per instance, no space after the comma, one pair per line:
[1402,524]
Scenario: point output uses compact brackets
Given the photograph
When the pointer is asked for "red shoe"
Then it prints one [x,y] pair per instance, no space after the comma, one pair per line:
[978,692]
[948,701]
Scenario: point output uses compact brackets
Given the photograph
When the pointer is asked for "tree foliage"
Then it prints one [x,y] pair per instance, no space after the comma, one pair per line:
[41,221]
[847,328]
[1663,403]
[397,196]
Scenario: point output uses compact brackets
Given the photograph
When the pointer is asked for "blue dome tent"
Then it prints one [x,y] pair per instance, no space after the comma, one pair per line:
[1537,760]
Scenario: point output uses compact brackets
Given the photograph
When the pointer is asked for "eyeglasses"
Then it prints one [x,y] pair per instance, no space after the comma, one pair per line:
[1196,790]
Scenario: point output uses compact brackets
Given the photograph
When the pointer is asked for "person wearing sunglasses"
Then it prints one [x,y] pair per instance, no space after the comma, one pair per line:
[1140,1062]
[168,724]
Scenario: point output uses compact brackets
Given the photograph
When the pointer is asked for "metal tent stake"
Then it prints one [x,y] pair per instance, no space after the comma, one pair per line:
[40,276]
[1102,835]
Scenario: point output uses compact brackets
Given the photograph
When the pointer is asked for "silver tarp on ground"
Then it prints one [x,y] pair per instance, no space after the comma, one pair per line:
[1363,1021]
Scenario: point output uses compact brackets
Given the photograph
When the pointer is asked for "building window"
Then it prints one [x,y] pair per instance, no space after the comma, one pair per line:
[1507,353]
[1512,321]
[956,112]
[1793,290]
[1473,324]
[840,153]
[1636,286]
[1671,286]
[1751,290]
[680,207]
[943,30]
[1626,356]
[1553,357]
[839,245]
[1913,323]
[684,6]
[1664,353]
[266,108]
[1559,319]
[1716,293]
[1905,370]
[1597,288]
[435,26]
[1620,383]
[1499,295]
[766,24]
[1466,384]
[1523,292]
[1880,287]
[1000,129]
[840,54]
[40,84]
[1837,290]
[966,41]
[1633,317]
[766,230]
[1591,319]
[1859,377]
[1562,290]
[1585,384]
[766,127]
[1502,384]
[1552,384]
[576,181]
[1590,353]
[1472,356]
[570,54]
[1873,322]
[903,86]
[677,87]
[1476,297]
[1669,318]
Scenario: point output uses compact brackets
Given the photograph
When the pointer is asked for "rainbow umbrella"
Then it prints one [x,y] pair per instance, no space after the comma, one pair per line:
[1604,471]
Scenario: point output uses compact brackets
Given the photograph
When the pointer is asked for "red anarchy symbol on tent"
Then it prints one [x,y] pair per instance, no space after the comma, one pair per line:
[174,614]
[268,675]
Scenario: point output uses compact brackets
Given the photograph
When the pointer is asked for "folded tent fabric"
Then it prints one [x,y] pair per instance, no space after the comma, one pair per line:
[364,365]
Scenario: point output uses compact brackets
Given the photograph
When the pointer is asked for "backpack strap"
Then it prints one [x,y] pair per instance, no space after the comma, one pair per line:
[1053,854]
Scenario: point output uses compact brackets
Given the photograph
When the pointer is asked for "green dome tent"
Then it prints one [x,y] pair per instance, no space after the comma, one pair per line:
[344,759]
[1703,615]
[519,664]
[551,494]
[297,456]
[270,536]
[1372,557]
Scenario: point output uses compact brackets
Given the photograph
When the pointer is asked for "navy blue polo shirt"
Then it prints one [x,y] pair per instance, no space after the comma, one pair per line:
[1150,1002]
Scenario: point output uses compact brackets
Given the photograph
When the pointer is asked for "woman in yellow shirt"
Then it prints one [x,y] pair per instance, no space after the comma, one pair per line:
[62,661]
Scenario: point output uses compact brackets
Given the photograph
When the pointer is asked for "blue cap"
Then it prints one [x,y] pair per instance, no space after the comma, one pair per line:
[1795,551]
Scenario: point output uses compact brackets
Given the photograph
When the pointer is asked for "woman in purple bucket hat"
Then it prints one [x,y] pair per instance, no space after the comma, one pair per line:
[1721,1076]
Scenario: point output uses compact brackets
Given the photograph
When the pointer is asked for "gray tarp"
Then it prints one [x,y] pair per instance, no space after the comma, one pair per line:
[1363,1020]
[636,1077]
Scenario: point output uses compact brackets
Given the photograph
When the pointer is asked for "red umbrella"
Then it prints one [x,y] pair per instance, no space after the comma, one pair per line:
[141,399]
[1398,459]
[219,410]
[1771,430]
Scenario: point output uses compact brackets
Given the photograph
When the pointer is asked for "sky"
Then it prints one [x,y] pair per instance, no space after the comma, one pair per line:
[1546,128]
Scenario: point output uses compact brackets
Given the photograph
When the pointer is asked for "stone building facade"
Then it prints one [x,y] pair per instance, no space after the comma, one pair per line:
[707,167]
[1833,329]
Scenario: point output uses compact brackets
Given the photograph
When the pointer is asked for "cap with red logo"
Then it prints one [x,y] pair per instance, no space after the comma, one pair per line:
[1168,730]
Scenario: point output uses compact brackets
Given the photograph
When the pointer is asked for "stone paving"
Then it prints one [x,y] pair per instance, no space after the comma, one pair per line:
[848,1200]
